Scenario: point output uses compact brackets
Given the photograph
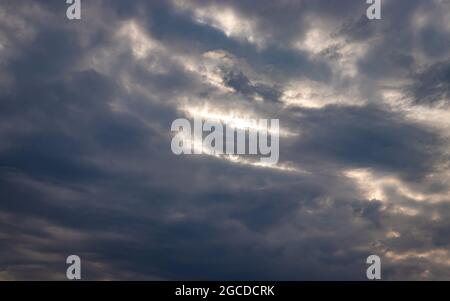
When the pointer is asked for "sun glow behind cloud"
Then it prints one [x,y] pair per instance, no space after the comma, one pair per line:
[225,19]
[374,186]
[199,147]
[233,118]
[377,187]
[236,120]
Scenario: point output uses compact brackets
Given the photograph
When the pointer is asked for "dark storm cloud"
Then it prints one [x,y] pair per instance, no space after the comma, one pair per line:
[86,165]
[432,85]
[278,60]
[286,20]
[240,83]
[380,63]
[435,41]
[369,137]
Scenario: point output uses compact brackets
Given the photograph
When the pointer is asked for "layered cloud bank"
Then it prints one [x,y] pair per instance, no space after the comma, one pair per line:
[86,166]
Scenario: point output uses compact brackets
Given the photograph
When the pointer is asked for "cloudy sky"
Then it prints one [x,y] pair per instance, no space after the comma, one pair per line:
[86,166]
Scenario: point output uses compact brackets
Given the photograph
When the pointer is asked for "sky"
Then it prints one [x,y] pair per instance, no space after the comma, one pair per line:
[86,166]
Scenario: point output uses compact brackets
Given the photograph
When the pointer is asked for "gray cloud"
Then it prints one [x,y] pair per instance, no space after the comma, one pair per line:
[86,165]
[432,85]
